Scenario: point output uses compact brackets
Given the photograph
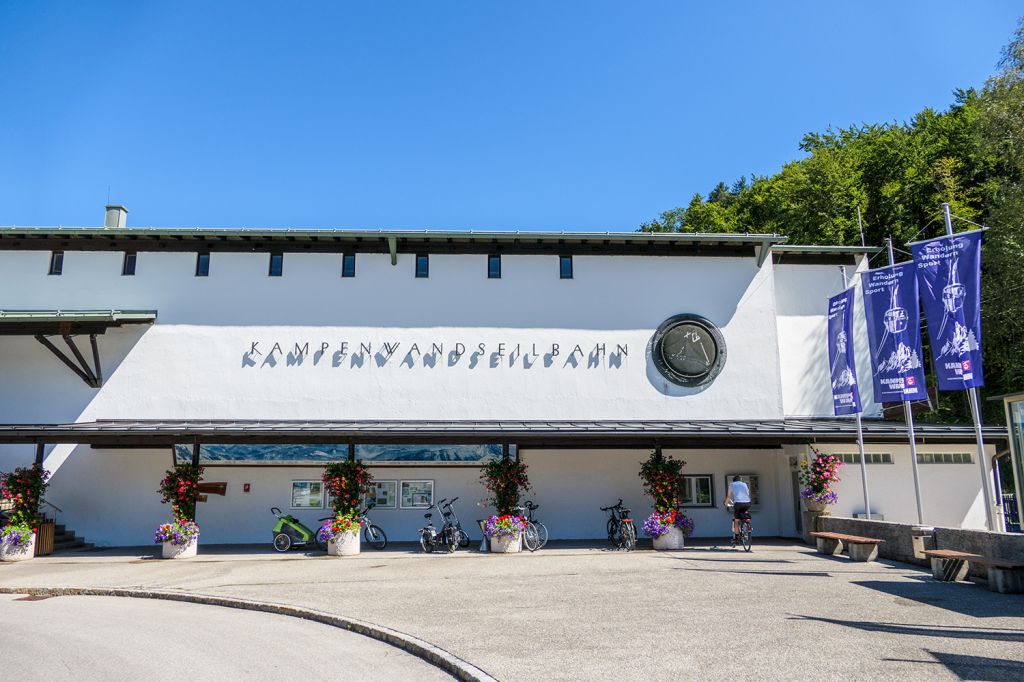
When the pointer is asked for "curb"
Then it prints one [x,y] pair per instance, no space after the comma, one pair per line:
[448,662]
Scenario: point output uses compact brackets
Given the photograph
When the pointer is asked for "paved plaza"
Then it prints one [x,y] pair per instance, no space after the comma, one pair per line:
[582,612]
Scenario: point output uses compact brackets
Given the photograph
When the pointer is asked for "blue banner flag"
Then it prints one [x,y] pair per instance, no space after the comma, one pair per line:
[845,396]
[949,272]
[894,332]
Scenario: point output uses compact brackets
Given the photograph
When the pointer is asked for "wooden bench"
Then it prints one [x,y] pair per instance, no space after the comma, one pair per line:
[861,548]
[1005,576]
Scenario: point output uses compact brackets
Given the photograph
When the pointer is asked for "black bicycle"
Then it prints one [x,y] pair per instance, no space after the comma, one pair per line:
[373,535]
[431,539]
[746,528]
[621,532]
[452,519]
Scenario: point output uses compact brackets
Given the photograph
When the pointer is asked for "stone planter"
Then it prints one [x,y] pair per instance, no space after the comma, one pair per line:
[672,540]
[186,551]
[347,544]
[22,553]
[815,506]
[507,545]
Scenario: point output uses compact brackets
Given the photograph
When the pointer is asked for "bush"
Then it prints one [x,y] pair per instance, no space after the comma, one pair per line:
[24,488]
[180,489]
[177,533]
[504,526]
[348,483]
[338,526]
[16,535]
[505,479]
[818,476]
[663,481]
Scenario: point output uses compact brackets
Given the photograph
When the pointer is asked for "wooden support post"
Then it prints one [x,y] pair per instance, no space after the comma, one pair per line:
[40,451]
[351,452]
[195,454]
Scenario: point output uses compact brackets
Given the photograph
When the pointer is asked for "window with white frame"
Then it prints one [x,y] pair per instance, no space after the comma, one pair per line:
[869,457]
[944,458]
[307,495]
[698,491]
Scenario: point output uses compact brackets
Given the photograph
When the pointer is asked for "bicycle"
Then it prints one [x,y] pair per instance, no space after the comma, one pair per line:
[431,539]
[746,528]
[373,534]
[452,519]
[621,532]
[536,534]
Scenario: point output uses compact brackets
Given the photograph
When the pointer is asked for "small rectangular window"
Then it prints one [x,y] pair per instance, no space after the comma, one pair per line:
[698,491]
[307,495]
[565,267]
[422,265]
[128,267]
[276,265]
[348,265]
[56,262]
[494,266]
[202,265]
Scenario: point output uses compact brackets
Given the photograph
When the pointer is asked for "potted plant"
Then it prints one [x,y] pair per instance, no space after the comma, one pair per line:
[348,482]
[180,489]
[818,476]
[663,481]
[505,480]
[23,489]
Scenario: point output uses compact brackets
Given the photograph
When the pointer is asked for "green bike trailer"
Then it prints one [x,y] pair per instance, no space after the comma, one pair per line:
[290,532]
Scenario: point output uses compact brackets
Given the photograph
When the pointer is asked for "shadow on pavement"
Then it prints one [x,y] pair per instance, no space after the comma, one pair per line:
[945,631]
[979,668]
[800,574]
[966,599]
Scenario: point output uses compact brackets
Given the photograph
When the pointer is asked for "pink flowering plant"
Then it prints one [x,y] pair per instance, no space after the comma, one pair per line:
[819,476]
[181,532]
[334,528]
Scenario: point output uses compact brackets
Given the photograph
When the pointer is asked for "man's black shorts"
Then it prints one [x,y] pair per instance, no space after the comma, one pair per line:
[740,510]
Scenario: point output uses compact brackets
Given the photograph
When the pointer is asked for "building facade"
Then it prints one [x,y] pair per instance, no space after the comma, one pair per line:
[122,349]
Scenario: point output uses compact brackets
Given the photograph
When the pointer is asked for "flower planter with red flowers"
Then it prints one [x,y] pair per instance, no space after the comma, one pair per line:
[663,481]
[180,489]
[341,535]
[505,533]
[179,540]
[348,483]
[23,490]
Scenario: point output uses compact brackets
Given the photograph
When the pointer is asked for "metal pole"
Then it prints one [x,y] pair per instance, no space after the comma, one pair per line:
[908,416]
[972,399]
[860,226]
[860,438]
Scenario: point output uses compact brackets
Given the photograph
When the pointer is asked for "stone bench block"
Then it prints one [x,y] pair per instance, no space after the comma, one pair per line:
[862,551]
[949,570]
[829,546]
[1006,580]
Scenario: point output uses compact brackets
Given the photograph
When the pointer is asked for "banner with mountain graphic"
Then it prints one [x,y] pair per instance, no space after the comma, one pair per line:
[949,274]
[843,369]
[894,332]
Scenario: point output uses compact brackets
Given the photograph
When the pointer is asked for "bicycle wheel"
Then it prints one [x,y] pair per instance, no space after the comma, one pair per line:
[745,536]
[542,533]
[374,536]
[531,540]
[451,540]
[463,538]
[424,543]
[282,542]
[612,529]
[628,534]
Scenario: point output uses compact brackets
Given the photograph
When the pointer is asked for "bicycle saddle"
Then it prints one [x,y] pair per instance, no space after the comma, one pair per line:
[427,516]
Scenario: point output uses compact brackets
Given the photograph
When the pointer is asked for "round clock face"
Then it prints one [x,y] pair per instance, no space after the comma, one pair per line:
[689,350]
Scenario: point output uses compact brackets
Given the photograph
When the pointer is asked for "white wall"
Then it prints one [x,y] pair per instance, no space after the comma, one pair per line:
[951,494]
[801,293]
[110,497]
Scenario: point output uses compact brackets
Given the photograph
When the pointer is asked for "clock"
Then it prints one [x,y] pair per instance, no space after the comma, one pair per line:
[688,350]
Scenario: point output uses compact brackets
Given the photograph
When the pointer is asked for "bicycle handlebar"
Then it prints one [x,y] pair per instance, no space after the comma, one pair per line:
[275,511]
[614,506]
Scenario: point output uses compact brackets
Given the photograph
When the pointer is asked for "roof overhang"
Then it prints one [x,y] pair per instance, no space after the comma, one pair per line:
[64,322]
[384,241]
[590,434]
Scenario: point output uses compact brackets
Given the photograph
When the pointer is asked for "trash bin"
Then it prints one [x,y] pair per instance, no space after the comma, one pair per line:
[44,538]
[483,543]
[923,537]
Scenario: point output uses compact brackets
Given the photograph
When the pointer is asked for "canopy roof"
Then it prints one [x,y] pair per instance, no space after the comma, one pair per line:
[762,433]
[31,322]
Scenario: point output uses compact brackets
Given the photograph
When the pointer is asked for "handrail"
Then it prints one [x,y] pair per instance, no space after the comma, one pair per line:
[51,504]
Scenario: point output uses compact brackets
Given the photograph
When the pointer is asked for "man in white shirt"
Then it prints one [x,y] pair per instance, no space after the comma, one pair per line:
[739,498]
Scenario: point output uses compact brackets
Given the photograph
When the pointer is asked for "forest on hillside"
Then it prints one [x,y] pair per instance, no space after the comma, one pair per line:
[897,174]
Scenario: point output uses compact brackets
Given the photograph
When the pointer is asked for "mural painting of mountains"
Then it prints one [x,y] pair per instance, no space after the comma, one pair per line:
[335,452]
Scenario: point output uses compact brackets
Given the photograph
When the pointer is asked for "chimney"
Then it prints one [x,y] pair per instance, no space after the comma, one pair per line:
[117,216]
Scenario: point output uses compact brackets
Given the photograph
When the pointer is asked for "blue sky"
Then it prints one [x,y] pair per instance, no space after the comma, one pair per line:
[583,115]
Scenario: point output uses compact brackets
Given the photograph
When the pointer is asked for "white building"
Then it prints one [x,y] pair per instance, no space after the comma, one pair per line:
[118,343]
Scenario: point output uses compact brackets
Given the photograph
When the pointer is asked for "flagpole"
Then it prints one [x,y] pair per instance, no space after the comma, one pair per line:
[972,399]
[860,434]
[908,416]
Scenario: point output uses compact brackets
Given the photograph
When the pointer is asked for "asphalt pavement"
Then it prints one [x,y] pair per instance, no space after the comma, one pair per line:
[585,612]
[112,638]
